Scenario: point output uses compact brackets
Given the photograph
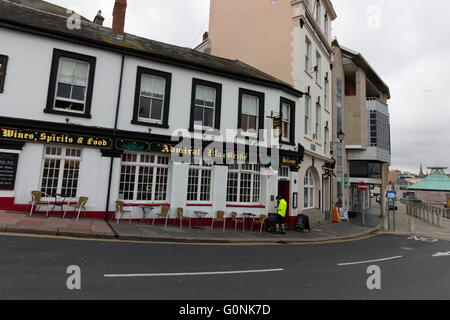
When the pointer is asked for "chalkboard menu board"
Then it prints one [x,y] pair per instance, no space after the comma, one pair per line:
[8,168]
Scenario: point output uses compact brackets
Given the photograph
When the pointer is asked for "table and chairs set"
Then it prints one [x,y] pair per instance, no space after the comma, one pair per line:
[219,218]
[62,201]
[149,212]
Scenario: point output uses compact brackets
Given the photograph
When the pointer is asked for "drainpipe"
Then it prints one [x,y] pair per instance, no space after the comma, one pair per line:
[114,135]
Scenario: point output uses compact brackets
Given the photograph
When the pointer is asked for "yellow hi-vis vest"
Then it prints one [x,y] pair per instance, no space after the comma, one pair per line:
[282,207]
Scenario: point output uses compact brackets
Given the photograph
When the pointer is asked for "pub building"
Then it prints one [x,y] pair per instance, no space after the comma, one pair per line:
[100,107]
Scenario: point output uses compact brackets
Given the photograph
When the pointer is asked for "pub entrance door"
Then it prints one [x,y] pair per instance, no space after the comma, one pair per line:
[284,191]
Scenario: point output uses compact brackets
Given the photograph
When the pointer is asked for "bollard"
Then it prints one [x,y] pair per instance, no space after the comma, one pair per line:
[439,222]
[434,217]
[411,224]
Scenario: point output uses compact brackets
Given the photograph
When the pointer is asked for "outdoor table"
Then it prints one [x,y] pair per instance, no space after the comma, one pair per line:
[248,215]
[61,204]
[200,215]
[146,212]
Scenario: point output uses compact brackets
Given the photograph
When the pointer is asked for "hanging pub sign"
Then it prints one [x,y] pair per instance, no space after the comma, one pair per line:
[290,161]
[39,136]
[8,168]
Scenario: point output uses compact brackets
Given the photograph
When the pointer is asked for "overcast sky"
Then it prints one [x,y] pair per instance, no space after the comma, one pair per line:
[405,41]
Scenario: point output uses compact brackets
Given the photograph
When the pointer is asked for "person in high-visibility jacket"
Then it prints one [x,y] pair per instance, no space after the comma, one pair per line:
[281,214]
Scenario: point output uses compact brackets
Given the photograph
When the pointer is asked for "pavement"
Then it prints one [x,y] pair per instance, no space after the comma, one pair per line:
[94,228]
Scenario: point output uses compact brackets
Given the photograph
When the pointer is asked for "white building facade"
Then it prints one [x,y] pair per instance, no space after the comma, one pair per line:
[98,115]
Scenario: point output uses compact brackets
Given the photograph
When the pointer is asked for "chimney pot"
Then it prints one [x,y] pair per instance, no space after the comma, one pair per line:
[120,8]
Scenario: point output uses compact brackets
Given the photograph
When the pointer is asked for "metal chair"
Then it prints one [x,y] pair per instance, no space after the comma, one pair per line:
[220,217]
[36,201]
[119,210]
[261,221]
[182,217]
[163,214]
[81,205]
[236,220]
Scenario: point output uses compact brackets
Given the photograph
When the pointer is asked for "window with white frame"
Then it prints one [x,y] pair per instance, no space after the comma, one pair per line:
[308,55]
[325,26]
[60,172]
[199,183]
[317,12]
[244,184]
[283,172]
[72,83]
[325,90]
[144,177]
[309,196]
[318,67]
[307,115]
[205,105]
[318,122]
[152,95]
[285,121]
[250,111]
[326,141]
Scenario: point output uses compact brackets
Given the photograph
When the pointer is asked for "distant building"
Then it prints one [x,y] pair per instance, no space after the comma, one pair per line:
[434,189]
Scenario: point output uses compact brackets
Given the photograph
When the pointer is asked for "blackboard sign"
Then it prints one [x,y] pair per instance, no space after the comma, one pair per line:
[302,223]
[8,168]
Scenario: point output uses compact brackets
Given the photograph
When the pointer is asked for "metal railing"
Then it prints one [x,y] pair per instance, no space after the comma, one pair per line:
[426,212]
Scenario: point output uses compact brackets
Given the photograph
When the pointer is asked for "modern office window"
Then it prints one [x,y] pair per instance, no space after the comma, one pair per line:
[152,98]
[308,55]
[3,64]
[379,130]
[309,196]
[206,104]
[199,183]
[287,112]
[307,116]
[251,111]
[144,177]
[71,84]
[318,121]
[60,171]
[244,184]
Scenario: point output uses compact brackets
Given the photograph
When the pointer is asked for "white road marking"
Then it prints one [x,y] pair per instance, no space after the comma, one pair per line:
[406,248]
[369,261]
[188,274]
[442,254]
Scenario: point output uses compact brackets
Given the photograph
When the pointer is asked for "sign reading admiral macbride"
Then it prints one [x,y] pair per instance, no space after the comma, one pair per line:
[38,136]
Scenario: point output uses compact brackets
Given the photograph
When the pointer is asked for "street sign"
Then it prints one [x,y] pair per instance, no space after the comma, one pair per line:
[391,195]
[362,186]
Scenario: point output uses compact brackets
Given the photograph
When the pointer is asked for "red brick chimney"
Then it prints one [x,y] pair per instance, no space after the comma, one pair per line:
[120,9]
